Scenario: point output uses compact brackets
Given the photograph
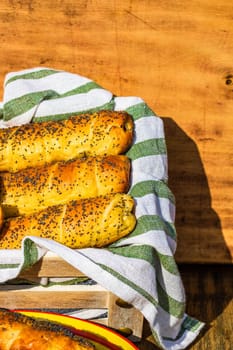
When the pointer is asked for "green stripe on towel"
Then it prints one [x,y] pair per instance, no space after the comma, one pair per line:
[149,254]
[56,117]
[82,89]
[33,75]
[147,148]
[129,283]
[8,266]
[169,304]
[159,188]
[155,223]
[26,102]
[140,110]
[30,254]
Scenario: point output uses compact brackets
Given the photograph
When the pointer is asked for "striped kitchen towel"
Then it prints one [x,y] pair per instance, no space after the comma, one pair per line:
[139,268]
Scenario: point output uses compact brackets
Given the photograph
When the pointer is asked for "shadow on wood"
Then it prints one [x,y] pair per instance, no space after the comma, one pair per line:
[209,297]
[200,238]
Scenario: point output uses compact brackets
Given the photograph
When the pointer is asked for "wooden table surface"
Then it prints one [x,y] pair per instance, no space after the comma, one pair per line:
[177,56]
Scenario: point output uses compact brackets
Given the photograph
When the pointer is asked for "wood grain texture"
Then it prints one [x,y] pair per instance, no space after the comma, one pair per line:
[125,317]
[177,56]
[51,265]
[60,297]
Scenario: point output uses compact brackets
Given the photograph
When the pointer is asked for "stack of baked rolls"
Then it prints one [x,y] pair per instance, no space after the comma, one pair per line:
[67,180]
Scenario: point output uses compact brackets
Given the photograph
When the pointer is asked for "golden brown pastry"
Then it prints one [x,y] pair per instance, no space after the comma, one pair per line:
[20,332]
[92,222]
[1,217]
[34,189]
[36,144]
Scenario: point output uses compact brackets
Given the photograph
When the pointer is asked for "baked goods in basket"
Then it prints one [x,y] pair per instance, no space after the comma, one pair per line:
[20,332]
[36,144]
[91,222]
[34,189]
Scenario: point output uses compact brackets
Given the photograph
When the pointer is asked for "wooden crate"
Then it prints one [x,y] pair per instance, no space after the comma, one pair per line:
[121,316]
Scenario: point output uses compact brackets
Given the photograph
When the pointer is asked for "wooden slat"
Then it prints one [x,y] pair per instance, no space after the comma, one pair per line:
[124,317]
[51,265]
[61,297]
[177,56]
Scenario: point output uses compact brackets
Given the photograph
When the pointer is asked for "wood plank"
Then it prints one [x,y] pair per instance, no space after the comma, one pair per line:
[60,297]
[124,317]
[177,56]
[51,265]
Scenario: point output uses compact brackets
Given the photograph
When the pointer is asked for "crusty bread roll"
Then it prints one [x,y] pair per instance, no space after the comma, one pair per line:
[92,222]
[1,217]
[36,144]
[21,332]
[34,189]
